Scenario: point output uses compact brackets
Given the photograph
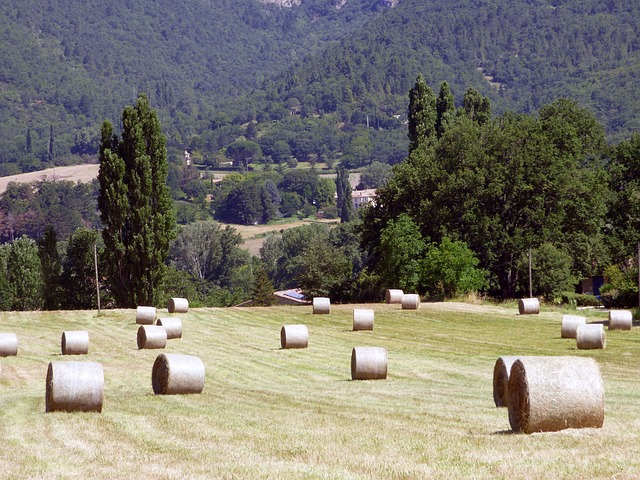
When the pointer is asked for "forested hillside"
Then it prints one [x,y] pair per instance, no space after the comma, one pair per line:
[308,79]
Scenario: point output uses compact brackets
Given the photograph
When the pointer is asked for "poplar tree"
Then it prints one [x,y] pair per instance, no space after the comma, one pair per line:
[51,268]
[422,114]
[445,109]
[343,190]
[135,206]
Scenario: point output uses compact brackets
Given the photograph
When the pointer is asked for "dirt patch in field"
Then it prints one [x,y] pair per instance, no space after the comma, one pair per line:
[74,173]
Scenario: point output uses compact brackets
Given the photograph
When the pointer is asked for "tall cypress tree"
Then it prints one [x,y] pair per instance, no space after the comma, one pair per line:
[343,190]
[135,206]
[422,114]
[51,268]
[445,109]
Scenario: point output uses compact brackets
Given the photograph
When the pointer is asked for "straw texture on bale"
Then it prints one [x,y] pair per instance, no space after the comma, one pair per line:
[146,315]
[394,295]
[547,394]
[8,345]
[172,325]
[177,374]
[75,342]
[529,306]
[321,305]
[591,336]
[501,371]
[74,387]
[294,336]
[363,319]
[368,363]
[410,301]
[178,305]
[570,324]
[151,336]
[620,320]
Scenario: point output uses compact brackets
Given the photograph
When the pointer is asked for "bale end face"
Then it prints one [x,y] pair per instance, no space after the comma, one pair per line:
[501,371]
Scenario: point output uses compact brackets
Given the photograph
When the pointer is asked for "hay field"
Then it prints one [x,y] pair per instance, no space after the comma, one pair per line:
[268,413]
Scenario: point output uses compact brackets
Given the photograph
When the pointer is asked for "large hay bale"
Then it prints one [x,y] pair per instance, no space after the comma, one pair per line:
[74,342]
[620,320]
[321,305]
[501,371]
[368,363]
[294,336]
[176,374]
[547,394]
[529,306]
[591,336]
[151,336]
[410,301]
[178,305]
[8,345]
[363,319]
[394,295]
[172,325]
[570,324]
[74,387]
[146,315]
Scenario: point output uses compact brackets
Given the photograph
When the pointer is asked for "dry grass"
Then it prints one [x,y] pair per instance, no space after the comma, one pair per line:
[75,173]
[268,413]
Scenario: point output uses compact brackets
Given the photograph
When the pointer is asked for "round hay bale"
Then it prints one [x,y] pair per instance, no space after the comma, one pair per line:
[8,345]
[591,336]
[363,319]
[410,301]
[620,320]
[74,387]
[501,371]
[172,325]
[321,305]
[151,336]
[570,324]
[178,305]
[529,306]
[368,363]
[75,342]
[294,336]
[394,295]
[146,315]
[177,374]
[547,394]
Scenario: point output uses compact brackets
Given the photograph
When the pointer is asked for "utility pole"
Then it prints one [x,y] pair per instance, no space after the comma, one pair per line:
[530,283]
[95,259]
[638,274]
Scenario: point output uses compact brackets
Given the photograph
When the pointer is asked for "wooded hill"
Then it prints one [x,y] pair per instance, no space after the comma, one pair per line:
[210,68]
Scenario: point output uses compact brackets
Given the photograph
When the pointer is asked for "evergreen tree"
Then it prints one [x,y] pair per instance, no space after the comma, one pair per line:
[262,289]
[445,109]
[343,189]
[422,114]
[51,268]
[476,106]
[135,206]
[78,275]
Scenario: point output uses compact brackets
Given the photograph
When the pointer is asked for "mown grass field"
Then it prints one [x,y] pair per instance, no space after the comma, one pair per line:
[268,413]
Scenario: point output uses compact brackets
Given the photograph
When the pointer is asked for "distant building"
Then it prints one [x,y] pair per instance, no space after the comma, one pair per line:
[363,197]
[292,296]
[187,158]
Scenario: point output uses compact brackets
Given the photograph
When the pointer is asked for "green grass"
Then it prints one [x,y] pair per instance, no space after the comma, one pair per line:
[268,413]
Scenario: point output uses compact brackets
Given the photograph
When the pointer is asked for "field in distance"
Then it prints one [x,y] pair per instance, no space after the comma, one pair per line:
[268,413]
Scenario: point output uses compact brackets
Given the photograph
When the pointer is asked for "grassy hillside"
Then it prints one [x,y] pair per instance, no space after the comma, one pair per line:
[272,413]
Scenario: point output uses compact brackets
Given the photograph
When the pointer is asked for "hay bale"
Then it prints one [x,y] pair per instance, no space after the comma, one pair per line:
[591,336]
[151,336]
[501,371]
[410,301]
[294,336]
[547,394]
[321,305]
[146,315]
[177,374]
[178,305]
[363,319]
[620,320]
[368,363]
[172,325]
[570,324]
[529,306]
[75,342]
[8,345]
[74,387]
[393,295]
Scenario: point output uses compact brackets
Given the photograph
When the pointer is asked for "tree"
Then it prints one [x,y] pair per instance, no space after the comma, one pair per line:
[476,106]
[135,206]
[78,272]
[401,248]
[445,109]
[374,175]
[343,189]
[6,292]
[24,274]
[51,268]
[422,114]
[244,152]
[324,269]
[550,271]
[262,288]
